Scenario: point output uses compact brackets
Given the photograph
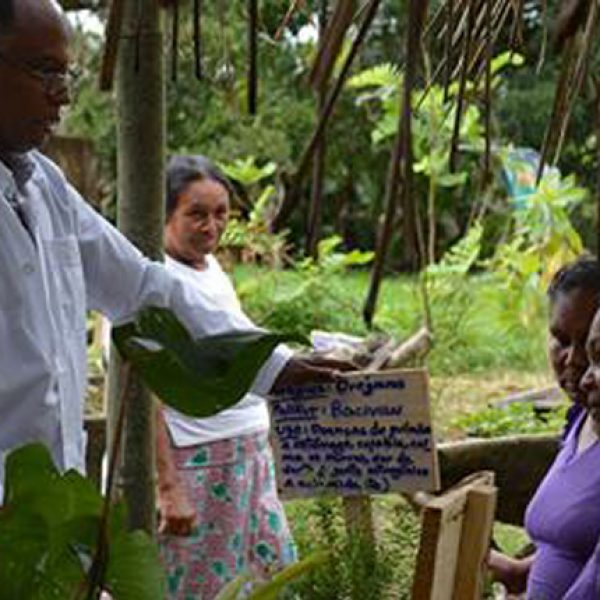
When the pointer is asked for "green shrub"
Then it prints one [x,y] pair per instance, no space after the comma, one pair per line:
[519,417]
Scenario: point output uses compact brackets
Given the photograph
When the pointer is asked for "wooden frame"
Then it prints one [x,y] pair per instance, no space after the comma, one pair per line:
[455,537]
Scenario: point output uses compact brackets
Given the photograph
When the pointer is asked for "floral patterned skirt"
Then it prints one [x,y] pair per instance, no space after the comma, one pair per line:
[241,523]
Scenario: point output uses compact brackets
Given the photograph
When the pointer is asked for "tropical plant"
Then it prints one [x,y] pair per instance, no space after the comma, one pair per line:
[49,528]
[315,302]
[434,115]
[250,238]
[540,238]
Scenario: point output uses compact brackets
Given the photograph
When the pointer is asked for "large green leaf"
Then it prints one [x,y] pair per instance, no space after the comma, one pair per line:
[38,543]
[197,377]
[49,528]
[134,569]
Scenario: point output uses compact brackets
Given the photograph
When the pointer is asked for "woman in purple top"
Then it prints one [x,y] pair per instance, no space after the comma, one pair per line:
[563,519]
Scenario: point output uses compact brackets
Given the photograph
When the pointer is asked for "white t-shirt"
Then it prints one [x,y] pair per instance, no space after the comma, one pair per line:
[250,414]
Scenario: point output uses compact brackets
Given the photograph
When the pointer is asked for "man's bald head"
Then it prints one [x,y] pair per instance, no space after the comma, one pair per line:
[12,13]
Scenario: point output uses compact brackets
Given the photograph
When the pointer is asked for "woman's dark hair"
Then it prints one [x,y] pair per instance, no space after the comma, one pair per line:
[581,274]
[185,169]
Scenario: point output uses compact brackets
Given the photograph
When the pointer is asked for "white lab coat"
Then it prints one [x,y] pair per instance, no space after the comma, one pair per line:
[77,262]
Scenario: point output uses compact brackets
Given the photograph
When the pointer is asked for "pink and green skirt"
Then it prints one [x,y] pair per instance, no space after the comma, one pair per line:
[241,523]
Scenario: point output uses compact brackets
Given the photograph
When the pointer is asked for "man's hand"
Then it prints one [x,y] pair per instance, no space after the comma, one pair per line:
[311,369]
[176,511]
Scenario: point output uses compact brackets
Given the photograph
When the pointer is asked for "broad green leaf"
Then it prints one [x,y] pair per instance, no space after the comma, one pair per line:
[42,537]
[134,569]
[197,377]
[49,528]
[452,179]
[28,469]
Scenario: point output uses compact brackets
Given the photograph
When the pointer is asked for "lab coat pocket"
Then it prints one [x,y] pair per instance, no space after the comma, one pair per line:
[66,270]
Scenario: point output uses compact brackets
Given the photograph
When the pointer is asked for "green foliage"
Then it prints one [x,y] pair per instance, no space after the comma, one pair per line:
[49,530]
[450,293]
[432,129]
[473,330]
[250,239]
[197,377]
[458,260]
[356,571]
[317,299]
[516,418]
[246,171]
[540,239]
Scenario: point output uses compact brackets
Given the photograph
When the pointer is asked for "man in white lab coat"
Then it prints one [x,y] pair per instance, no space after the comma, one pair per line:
[58,258]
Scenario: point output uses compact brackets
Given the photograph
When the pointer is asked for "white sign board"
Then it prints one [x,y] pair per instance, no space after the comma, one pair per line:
[368,433]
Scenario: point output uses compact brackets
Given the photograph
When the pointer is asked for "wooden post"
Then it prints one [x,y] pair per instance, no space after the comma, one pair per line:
[358,516]
[474,543]
[455,537]
[141,141]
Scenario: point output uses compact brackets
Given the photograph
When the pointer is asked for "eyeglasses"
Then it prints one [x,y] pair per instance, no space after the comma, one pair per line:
[54,81]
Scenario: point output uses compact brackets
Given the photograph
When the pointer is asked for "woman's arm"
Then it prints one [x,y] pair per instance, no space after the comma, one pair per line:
[177,512]
[511,572]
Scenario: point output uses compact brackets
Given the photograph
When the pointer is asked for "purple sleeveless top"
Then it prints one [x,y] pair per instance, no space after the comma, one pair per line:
[563,520]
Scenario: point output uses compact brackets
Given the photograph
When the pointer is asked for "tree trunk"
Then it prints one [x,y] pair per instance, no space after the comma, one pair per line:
[316,200]
[141,142]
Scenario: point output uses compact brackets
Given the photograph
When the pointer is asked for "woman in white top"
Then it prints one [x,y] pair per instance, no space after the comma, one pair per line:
[220,515]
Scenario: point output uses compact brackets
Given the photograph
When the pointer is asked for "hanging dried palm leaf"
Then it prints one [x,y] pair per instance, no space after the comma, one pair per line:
[570,20]
[489,55]
[576,32]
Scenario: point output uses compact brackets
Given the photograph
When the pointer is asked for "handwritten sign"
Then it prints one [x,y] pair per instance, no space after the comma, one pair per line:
[369,433]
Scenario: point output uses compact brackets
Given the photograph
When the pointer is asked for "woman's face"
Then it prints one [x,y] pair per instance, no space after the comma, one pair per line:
[571,315]
[198,221]
[590,383]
